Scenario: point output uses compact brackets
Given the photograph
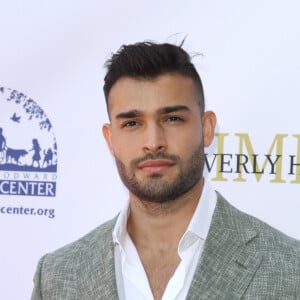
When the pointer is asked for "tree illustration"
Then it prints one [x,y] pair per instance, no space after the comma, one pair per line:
[31,108]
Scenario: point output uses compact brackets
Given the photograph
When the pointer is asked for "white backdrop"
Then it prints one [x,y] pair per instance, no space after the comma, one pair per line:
[53,52]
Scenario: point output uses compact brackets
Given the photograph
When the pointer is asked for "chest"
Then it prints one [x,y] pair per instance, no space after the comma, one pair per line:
[159,268]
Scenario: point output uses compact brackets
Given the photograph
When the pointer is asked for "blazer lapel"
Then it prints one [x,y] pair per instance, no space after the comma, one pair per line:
[229,259]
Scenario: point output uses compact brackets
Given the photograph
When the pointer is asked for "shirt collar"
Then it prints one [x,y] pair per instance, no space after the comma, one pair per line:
[120,230]
[198,226]
[201,219]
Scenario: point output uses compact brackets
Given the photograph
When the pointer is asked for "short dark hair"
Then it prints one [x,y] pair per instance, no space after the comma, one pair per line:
[147,60]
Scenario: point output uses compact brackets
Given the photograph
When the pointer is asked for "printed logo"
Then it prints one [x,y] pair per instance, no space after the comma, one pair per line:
[28,149]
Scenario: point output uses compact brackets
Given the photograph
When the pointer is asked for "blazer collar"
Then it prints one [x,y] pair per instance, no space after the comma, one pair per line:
[229,259]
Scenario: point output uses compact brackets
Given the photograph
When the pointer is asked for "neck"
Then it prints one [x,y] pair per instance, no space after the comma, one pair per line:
[162,225]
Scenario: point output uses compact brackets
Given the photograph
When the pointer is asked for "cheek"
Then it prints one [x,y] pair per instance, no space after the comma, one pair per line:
[186,141]
[124,151]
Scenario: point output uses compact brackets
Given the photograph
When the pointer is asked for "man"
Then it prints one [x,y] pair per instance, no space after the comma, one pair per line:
[2,146]
[2,140]
[177,238]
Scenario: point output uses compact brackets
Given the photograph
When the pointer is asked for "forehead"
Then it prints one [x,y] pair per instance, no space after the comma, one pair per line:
[151,94]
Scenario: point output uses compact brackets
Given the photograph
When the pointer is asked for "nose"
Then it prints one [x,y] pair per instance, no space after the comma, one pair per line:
[155,139]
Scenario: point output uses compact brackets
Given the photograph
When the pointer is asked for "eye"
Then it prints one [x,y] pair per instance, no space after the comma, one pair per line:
[130,124]
[174,119]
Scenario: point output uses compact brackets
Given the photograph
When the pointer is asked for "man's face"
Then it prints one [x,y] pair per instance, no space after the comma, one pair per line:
[157,135]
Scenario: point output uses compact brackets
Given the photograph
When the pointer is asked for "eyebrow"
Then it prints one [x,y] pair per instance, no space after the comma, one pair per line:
[164,110]
[129,114]
[170,109]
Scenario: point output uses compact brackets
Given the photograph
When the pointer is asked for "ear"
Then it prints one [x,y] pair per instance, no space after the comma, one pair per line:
[106,130]
[209,121]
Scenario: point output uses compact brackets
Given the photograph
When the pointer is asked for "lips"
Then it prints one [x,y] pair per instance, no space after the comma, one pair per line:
[155,166]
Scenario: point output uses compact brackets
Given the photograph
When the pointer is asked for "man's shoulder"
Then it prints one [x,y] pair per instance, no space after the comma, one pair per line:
[85,267]
[274,256]
[86,246]
[244,256]
[269,238]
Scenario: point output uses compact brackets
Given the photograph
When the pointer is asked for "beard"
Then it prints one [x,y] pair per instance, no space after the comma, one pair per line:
[156,189]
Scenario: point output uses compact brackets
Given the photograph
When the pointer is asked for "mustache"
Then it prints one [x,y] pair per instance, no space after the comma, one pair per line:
[151,156]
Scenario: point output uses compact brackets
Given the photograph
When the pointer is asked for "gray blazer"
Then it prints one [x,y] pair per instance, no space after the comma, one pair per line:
[243,258]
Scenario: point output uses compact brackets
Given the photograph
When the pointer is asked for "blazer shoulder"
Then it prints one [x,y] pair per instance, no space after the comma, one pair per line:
[279,255]
[91,243]
[270,239]
[80,270]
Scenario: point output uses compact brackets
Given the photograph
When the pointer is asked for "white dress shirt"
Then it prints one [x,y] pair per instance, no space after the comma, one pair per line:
[132,280]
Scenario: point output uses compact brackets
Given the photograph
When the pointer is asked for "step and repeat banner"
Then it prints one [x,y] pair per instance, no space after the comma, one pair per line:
[57,178]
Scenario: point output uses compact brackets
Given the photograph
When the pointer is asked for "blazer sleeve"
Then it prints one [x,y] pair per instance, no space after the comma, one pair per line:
[37,289]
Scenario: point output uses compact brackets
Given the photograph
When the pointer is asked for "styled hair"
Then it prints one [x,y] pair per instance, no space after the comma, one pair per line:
[147,60]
